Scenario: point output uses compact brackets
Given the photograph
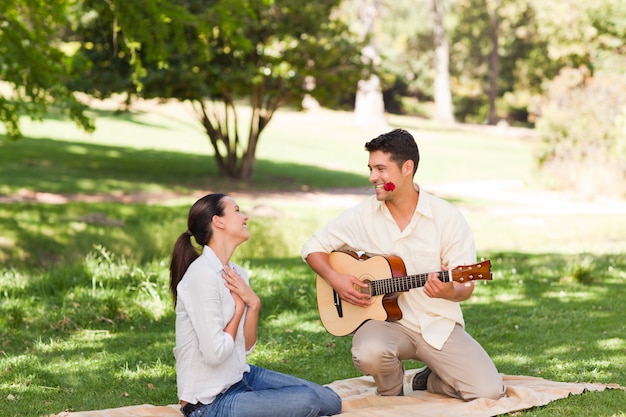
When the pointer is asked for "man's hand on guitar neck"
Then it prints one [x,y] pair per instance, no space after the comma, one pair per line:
[452,291]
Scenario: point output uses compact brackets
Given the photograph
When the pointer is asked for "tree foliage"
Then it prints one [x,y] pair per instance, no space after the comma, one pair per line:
[239,61]
[582,119]
[116,40]
[33,63]
[263,53]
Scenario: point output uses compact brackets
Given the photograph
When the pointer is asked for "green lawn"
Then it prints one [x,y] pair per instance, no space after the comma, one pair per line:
[86,321]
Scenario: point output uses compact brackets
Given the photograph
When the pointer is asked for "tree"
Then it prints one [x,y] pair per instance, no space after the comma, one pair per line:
[582,121]
[498,51]
[118,38]
[494,59]
[33,65]
[369,107]
[219,55]
[443,95]
[583,133]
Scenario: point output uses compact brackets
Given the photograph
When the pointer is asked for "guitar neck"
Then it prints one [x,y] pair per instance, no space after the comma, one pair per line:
[400,284]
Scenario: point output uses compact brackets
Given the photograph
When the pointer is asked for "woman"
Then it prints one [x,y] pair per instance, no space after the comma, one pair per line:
[216,327]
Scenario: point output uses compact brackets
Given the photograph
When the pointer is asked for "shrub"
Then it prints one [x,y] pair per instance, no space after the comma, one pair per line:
[583,132]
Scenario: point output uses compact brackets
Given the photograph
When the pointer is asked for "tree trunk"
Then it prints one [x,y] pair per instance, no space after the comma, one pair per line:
[443,96]
[494,67]
[235,159]
[369,106]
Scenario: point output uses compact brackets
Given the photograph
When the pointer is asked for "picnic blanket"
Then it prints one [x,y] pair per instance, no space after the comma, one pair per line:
[360,400]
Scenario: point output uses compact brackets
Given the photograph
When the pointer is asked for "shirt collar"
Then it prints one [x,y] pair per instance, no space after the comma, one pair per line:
[214,262]
[423,204]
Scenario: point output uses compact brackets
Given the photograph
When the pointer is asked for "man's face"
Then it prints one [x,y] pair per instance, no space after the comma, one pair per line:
[382,171]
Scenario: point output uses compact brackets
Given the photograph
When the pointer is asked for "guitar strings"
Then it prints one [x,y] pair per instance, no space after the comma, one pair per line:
[405,283]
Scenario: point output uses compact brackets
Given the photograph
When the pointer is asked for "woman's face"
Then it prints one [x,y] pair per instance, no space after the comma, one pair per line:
[235,222]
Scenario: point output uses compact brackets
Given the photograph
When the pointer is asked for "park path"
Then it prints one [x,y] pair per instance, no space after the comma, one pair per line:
[512,197]
[507,197]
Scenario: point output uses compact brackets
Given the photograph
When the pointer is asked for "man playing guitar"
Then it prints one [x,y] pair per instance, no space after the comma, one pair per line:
[428,234]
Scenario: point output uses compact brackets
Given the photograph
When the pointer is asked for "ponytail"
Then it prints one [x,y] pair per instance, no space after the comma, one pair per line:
[183,255]
[199,226]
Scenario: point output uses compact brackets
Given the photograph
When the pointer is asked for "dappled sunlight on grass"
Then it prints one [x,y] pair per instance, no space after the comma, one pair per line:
[47,234]
[291,321]
[84,286]
[562,295]
[81,341]
[516,360]
[588,369]
[533,322]
[616,344]
[132,363]
[312,355]
[519,298]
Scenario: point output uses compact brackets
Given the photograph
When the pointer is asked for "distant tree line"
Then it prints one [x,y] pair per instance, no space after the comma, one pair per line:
[526,63]
[557,65]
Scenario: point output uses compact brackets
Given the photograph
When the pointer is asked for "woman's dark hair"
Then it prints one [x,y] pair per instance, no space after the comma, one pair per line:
[399,144]
[199,226]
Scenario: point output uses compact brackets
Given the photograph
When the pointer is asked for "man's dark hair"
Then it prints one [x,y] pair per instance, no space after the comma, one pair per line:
[399,144]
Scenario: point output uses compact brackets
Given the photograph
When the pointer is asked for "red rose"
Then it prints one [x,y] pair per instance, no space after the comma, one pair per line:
[390,186]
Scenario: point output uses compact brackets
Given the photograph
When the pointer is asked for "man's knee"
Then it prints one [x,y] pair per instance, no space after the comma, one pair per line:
[494,392]
[373,356]
[491,392]
[365,359]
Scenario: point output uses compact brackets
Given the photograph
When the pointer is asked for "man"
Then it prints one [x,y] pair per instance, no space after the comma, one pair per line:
[428,234]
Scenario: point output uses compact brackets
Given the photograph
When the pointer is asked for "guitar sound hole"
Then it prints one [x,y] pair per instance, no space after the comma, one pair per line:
[367,290]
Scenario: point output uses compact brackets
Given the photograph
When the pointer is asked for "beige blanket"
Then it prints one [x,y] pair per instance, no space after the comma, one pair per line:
[360,400]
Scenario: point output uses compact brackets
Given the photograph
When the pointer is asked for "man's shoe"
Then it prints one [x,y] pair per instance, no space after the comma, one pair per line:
[420,379]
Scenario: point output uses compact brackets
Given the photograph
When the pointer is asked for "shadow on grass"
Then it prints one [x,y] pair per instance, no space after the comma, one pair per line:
[96,369]
[51,166]
[51,236]
[554,316]
[132,116]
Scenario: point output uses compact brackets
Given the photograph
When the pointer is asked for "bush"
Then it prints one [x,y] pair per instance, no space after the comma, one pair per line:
[471,108]
[583,132]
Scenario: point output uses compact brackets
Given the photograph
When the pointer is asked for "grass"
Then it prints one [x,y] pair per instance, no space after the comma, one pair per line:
[161,151]
[83,286]
[111,320]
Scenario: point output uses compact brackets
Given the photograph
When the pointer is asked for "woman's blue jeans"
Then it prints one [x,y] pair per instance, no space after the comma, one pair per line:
[265,393]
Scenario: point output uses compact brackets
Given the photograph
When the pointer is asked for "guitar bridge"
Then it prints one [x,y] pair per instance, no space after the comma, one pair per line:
[338,305]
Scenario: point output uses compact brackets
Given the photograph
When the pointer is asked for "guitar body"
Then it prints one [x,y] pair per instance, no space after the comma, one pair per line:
[386,279]
[348,318]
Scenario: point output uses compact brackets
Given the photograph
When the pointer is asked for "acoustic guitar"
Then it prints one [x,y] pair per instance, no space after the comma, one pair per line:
[385,277]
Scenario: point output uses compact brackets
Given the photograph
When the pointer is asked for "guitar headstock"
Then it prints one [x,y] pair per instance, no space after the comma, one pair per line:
[474,272]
